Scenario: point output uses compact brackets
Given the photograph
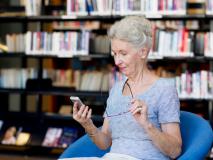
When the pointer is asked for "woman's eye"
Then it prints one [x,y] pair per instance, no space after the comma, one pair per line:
[123,53]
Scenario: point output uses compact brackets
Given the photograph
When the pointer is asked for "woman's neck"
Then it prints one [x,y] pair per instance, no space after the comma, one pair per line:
[140,76]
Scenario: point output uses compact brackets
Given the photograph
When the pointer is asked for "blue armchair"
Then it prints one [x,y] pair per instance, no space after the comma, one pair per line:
[196,134]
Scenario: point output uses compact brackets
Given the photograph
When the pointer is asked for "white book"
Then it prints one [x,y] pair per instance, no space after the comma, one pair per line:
[34,50]
[174,45]
[183,85]
[204,85]
[74,40]
[161,49]
[105,82]
[178,84]
[98,80]
[8,42]
[24,78]
[28,40]
[83,81]
[77,79]
[29,7]
[196,85]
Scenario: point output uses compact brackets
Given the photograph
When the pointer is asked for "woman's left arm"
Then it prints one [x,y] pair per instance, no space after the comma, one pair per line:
[168,140]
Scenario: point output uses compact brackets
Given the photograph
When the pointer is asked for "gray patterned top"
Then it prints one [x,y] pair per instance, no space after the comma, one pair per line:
[128,137]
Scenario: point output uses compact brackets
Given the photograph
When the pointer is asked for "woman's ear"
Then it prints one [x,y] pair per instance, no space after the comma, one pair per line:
[144,53]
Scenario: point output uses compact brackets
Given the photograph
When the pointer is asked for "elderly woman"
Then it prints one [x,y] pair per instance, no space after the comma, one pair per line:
[141,120]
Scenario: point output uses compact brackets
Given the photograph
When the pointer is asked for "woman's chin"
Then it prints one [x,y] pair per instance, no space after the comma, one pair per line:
[124,73]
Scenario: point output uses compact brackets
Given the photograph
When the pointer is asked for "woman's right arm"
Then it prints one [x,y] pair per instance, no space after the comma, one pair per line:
[102,138]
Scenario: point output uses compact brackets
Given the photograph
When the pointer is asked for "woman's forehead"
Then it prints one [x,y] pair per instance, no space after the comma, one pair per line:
[118,44]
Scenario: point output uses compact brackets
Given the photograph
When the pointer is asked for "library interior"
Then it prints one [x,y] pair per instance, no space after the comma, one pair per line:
[51,50]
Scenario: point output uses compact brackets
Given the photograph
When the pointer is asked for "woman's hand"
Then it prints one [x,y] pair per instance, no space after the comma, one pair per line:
[82,114]
[139,111]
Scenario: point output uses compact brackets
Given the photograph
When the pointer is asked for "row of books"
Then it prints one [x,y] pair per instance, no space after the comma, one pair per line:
[62,44]
[32,7]
[189,84]
[15,136]
[129,7]
[195,85]
[15,42]
[60,137]
[54,137]
[80,80]
[124,7]
[58,43]
[180,42]
[16,78]
[121,7]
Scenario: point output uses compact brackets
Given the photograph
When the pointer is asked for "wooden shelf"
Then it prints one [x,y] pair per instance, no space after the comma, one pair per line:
[31,150]
[55,116]
[50,18]
[23,55]
[101,56]
[56,91]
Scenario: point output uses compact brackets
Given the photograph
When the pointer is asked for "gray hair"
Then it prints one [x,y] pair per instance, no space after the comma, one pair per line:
[133,29]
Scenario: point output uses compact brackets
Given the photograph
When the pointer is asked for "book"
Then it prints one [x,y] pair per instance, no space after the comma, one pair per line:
[196,7]
[52,137]
[65,110]
[9,136]
[1,124]
[23,138]
[68,136]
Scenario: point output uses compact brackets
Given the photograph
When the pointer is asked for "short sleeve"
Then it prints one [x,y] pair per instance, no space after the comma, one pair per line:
[169,107]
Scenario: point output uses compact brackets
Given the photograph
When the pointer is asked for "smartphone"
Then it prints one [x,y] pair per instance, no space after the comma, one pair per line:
[76,99]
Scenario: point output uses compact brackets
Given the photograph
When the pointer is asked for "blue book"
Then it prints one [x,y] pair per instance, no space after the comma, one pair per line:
[89,6]
[69,135]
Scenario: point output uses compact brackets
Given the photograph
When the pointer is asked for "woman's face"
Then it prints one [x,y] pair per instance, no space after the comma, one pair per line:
[126,57]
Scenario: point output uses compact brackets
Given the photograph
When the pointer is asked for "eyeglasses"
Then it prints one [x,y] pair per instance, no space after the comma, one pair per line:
[124,112]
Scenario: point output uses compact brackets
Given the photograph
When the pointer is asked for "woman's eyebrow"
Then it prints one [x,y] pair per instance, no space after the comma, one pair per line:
[119,51]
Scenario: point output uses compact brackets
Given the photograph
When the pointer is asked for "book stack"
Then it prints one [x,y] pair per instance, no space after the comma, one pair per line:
[179,41]
[15,43]
[197,85]
[125,7]
[80,80]
[14,137]
[16,78]
[58,137]
[61,44]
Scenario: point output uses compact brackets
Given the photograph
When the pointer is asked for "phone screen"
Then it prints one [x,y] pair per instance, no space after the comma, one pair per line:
[76,99]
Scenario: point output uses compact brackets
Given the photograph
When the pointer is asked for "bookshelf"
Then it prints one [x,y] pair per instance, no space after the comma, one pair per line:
[42,118]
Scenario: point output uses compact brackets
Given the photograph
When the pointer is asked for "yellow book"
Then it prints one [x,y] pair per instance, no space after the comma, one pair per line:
[23,138]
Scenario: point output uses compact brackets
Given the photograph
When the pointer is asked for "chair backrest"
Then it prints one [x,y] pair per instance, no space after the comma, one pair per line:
[196,134]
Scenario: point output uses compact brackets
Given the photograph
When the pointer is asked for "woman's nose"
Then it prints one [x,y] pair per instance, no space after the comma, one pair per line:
[117,61]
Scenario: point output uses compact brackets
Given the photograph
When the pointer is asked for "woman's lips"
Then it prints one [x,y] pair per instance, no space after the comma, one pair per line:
[122,68]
